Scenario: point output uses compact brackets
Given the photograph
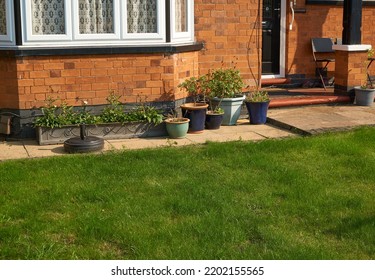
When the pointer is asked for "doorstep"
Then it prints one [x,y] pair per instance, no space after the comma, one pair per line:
[308,100]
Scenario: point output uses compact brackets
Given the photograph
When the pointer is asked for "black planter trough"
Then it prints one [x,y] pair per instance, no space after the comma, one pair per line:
[83,143]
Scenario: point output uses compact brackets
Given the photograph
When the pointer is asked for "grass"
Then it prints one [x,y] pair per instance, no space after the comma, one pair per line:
[307,198]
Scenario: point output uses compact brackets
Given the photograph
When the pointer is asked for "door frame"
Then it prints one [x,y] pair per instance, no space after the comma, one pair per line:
[283,31]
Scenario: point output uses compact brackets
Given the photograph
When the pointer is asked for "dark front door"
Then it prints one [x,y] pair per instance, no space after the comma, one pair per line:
[271,37]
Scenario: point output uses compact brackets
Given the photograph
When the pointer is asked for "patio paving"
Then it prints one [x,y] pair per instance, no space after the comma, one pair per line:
[318,119]
[283,122]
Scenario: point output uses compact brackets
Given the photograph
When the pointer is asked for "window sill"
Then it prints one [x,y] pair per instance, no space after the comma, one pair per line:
[98,50]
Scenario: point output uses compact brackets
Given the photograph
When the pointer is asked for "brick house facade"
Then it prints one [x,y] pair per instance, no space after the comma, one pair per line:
[224,32]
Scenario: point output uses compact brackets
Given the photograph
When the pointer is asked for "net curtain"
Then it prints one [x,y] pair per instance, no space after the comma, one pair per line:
[181,16]
[3,18]
[142,16]
[96,16]
[48,17]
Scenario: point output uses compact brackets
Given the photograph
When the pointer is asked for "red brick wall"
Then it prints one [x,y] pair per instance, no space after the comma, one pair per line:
[92,77]
[351,69]
[226,27]
[320,21]
[8,83]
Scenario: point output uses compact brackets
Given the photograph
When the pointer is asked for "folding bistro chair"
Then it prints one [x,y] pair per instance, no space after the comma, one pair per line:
[322,53]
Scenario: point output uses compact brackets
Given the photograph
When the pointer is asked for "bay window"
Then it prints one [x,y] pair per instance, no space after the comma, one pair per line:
[6,23]
[123,22]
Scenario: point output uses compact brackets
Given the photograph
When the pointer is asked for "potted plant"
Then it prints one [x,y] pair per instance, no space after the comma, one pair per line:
[214,118]
[364,94]
[225,89]
[257,103]
[57,123]
[177,127]
[195,111]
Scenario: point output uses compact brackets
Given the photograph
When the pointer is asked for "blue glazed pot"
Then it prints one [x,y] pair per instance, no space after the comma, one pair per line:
[213,121]
[196,113]
[257,111]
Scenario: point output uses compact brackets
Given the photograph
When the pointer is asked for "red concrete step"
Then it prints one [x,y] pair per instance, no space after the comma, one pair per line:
[307,100]
[274,81]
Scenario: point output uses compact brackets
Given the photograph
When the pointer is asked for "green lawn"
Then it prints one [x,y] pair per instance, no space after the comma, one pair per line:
[305,198]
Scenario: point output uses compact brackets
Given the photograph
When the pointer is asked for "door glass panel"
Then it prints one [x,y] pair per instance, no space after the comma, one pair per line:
[271,37]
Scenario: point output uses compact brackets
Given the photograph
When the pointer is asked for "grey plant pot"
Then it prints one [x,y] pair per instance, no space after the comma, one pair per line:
[231,107]
[364,97]
[47,136]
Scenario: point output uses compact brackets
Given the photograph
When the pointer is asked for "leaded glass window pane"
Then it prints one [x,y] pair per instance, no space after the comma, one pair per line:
[3,18]
[48,17]
[142,16]
[181,16]
[96,16]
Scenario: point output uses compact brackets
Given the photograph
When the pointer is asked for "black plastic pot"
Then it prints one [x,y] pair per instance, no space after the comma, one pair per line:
[196,113]
[213,121]
[257,111]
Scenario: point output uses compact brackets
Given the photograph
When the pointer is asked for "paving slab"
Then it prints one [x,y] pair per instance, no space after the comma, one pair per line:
[319,119]
[12,150]
[243,131]
[144,143]
[34,150]
[283,122]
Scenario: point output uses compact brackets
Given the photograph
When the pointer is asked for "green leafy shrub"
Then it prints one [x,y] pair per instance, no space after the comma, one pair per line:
[145,113]
[225,83]
[58,116]
[198,87]
[258,96]
[55,116]
[114,111]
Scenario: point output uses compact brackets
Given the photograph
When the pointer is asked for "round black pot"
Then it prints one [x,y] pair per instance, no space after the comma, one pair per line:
[196,113]
[257,111]
[213,121]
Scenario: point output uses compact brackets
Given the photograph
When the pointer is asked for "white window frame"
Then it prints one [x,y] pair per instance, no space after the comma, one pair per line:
[120,35]
[187,36]
[9,38]
[98,36]
[27,24]
[158,37]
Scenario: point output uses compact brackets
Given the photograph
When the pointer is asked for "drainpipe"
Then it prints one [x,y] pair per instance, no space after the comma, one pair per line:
[352,22]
